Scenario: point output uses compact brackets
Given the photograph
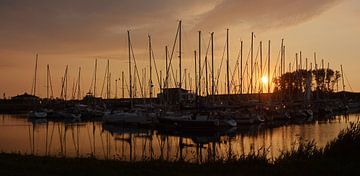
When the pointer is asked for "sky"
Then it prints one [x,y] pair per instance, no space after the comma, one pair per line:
[76,32]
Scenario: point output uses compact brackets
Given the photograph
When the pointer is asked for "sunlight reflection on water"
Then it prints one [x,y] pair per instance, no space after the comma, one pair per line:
[17,134]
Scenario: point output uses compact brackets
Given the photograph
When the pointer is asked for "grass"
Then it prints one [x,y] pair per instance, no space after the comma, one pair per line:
[339,157]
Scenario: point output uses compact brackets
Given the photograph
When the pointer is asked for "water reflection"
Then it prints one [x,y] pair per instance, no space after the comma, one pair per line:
[104,141]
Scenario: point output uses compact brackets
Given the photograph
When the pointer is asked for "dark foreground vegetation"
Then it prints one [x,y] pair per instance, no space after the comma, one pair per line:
[339,157]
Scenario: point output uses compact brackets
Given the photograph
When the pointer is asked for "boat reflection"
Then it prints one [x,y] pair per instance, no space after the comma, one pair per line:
[106,141]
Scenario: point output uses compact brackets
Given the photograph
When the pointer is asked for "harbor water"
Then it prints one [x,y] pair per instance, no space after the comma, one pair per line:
[94,139]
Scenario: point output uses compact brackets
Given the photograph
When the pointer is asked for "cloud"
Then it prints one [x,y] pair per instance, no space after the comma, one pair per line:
[263,14]
[93,26]
[44,24]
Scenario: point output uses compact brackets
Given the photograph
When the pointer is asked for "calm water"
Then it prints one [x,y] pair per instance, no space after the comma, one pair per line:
[17,134]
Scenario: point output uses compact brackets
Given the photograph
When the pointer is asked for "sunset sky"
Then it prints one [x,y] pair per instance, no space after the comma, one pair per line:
[75,32]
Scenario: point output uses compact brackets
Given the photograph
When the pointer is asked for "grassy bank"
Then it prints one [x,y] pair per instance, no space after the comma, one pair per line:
[339,157]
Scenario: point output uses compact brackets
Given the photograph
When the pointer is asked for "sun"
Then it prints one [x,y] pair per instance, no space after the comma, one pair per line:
[264,79]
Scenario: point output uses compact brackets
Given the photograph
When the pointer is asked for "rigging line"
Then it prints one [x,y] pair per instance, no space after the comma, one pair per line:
[171,57]
[245,67]
[292,66]
[137,72]
[73,89]
[104,80]
[63,82]
[92,82]
[256,68]
[51,88]
[202,49]
[347,80]
[238,69]
[173,74]
[185,43]
[75,85]
[247,72]
[156,70]
[127,87]
[265,65]
[277,61]
[206,53]
[233,74]
[219,69]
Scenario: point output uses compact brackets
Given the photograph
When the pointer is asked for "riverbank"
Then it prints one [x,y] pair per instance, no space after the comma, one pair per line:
[339,157]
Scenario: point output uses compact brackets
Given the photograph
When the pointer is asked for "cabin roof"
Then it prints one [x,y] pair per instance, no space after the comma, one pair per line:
[25,96]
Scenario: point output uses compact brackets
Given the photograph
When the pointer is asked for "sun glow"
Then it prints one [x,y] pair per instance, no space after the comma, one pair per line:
[264,79]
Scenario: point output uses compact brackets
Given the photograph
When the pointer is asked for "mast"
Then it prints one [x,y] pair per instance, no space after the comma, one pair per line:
[212,69]
[342,78]
[161,82]
[227,62]
[166,66]
[135,85]
[47,81]
[95,77]
[108,80]
[150,86]
[241,67]
[316,69]
[195,74]
[180,54]
[189,81]
[269,44]
[281,56]
[130,77]
[296,62]
[199,86]
[35,75]
[261,69]
[49,84]
[185,81]
[64,84]
[166,84]
[122,84]
[251,62]
[206,76]
[284,58]
[116,88]
[327,70]
[300,60]
[78,83]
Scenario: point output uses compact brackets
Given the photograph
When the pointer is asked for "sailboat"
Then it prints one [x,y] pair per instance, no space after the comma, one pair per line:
[37,113]
[135,116]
